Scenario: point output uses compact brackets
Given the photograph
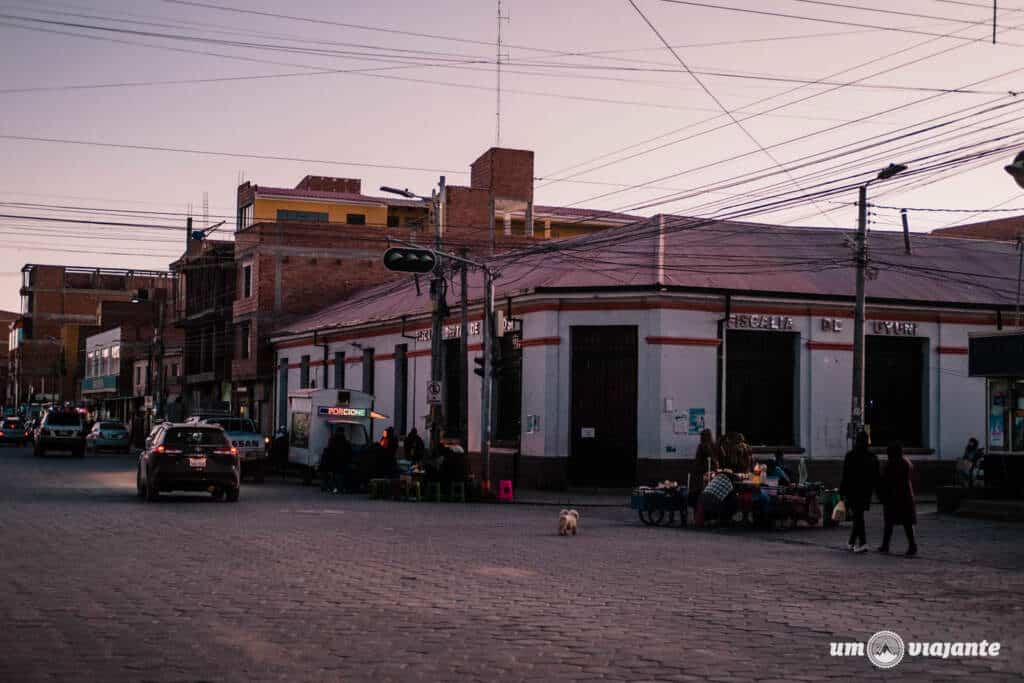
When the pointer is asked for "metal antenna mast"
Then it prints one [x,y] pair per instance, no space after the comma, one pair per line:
[497,110]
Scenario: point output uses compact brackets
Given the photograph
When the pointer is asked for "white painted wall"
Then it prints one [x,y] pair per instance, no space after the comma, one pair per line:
[685,374]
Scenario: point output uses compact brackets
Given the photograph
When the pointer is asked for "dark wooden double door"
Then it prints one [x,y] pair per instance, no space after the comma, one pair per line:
[603,412]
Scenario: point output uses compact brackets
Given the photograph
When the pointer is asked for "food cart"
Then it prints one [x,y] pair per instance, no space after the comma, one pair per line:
[315,414]
[759,500]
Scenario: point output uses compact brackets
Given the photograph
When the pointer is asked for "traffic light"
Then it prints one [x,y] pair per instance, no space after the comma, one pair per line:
[497,363]
[479,369]
[409,260]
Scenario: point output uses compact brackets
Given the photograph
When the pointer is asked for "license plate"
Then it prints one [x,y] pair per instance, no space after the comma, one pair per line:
[197,463]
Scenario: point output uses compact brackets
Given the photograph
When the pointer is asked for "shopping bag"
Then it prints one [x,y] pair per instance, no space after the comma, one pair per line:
[839,512]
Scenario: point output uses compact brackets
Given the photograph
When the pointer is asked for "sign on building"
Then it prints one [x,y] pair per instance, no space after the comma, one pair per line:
[434,393]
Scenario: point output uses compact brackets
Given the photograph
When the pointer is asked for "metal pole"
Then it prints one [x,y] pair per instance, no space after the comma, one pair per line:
[437,321]
[463,358]
[1020,271]
[159,343]
[485,390]
[994,11]
[857,418]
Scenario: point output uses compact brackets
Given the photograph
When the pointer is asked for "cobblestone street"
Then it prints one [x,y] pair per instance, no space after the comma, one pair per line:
[292,585]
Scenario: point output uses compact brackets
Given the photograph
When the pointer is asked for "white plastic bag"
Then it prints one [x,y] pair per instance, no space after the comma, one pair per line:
[839,513]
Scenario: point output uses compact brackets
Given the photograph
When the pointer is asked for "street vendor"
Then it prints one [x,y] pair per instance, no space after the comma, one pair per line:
[718,499]
[706,460]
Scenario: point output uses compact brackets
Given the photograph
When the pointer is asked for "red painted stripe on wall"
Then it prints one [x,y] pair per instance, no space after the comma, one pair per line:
[952,350]
[829,346]
[683,341]
[541,341]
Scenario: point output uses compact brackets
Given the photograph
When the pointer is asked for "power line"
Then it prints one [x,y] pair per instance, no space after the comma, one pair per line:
[838,22]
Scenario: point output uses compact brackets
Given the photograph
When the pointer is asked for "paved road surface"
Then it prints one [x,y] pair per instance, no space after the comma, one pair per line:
[292,585]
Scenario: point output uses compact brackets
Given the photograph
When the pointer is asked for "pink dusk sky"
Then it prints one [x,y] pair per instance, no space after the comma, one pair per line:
[584,84]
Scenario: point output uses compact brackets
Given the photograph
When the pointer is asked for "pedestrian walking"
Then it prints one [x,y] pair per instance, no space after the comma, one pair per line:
[896,492]
[860,479]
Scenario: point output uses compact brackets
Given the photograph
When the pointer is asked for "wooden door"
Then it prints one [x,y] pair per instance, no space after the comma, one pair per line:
[603,406]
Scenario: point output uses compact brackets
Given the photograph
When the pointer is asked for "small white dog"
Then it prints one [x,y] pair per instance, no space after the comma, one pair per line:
[568,521]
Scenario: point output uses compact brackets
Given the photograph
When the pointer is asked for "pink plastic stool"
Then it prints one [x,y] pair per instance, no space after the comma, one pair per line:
[505,490]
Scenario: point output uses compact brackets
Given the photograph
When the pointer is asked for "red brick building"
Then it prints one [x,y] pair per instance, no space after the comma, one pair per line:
[7,319]
[300,249]
[60,306]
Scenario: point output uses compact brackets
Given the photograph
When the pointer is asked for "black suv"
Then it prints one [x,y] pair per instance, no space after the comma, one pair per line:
[60,431]
[189,457]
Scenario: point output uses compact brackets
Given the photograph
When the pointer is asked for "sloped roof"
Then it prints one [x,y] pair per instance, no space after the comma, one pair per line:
[693,254]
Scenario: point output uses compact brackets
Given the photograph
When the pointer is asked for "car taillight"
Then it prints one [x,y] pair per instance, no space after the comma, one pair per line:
[1,433]
[164,450]
[226,451]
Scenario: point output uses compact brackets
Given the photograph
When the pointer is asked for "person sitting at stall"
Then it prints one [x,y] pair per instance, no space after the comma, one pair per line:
[967,464]
[705,460]
[778,469]
[414,446]
[718,499]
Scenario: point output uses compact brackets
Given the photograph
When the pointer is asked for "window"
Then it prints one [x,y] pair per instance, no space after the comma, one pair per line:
[174,370]
[245,333]
[282,389]
[355,218]
[368,371]
[245,217]
[285,215]
[247,280]
[138,375]
[105,363]
[392,221]
[339,369]
[115,352]
[304,373]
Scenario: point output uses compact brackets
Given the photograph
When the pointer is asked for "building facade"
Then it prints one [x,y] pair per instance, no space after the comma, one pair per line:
[197,362]
[60,307]
[299,249]
[610,373]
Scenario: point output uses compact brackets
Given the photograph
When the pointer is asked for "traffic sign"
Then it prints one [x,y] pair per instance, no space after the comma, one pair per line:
[410,260]
[434,393]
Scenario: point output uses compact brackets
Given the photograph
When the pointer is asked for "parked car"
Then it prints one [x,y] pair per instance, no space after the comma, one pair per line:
[60,431]
[12,430]
[189,457]
[251,445]
[108,435]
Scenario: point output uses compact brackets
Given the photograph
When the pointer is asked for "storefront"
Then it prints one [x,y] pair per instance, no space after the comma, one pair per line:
[999,358]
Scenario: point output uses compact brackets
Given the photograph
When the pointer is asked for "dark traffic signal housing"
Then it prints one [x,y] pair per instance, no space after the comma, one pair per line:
[479,369]
[410,260]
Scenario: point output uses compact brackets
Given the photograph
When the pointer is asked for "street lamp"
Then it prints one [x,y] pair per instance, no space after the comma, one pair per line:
[1016,169]
[857,418]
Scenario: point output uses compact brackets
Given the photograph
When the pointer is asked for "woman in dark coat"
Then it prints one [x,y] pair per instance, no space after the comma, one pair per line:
[707,459]
[897,493]
[860,479]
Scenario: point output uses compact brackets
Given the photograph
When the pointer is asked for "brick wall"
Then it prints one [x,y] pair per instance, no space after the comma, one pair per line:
[508,172]
[319,183]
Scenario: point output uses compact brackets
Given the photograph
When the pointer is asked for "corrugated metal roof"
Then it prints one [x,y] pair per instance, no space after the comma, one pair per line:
[738,257]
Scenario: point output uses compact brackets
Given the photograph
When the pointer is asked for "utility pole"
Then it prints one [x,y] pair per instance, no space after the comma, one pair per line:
[857,416]
[158,343]
[857,419]
[463,355]
[486,383]
[437,320]
[1020,272]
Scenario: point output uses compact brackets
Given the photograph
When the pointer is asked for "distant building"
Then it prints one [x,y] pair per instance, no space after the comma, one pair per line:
[999,229]
[197,365]
[7,319]
[60,306]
